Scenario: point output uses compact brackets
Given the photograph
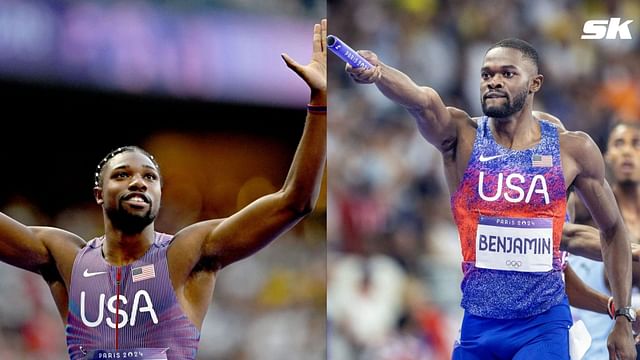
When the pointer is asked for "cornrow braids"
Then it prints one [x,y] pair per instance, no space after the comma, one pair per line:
[98,175]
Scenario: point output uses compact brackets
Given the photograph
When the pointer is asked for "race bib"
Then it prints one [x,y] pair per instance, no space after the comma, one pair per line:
[139,353]
[515,244]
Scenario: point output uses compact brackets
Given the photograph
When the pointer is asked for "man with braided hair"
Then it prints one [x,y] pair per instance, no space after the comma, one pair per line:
[135,292]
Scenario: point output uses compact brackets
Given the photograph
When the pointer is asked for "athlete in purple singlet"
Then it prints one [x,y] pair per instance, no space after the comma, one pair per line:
[508,173]
[138,293]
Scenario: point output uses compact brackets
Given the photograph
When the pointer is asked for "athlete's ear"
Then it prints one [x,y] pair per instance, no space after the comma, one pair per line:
[536,83]
[97,194]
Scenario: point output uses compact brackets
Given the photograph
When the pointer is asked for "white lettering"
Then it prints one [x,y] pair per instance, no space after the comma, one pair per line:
[518,189]
[82,311]
[542,191]
[514,182]
[121,312]
[481,188]
[612,29]
[148,308]
[141,303]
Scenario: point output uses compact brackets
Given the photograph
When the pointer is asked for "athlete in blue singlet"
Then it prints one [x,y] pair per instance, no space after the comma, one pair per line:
[510,208]
[137,293]
[508,173]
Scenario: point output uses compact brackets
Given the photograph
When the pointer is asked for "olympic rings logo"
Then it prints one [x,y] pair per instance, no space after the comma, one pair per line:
[514,263]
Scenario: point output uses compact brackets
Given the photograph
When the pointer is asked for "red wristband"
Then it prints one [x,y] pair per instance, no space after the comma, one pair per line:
[317,109]
[611,307]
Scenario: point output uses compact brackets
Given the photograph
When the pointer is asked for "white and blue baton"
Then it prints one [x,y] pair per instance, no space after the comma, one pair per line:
[346,53]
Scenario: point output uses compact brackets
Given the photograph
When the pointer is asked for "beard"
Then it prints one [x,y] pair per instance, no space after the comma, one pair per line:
[627,181]
[130,223]
[507,109]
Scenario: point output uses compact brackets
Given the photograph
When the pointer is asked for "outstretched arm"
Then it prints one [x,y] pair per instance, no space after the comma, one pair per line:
[36,248]
[19,246]
[434,119]
[216,243]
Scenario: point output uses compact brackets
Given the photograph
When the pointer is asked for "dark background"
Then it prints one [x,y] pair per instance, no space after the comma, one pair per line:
[55,136]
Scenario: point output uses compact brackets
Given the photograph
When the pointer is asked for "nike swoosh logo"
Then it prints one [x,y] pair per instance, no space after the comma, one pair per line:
[86,273]
[487,158]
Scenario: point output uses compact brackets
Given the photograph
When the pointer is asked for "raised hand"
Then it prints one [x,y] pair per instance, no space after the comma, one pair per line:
[314,73]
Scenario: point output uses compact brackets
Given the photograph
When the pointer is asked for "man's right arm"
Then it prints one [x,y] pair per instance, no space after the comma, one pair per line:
[433,117]
[19,246]
[34,248]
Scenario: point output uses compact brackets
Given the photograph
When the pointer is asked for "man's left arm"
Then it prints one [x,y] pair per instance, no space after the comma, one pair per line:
[597,196]
[256,225]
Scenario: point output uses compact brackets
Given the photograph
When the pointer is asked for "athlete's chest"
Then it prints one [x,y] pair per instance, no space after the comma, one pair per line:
[104,295]
[522,177]
[494,173]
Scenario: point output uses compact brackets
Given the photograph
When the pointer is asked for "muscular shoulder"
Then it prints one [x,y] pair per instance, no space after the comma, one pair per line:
[466,125]
[187,246]
[63,247]
[460,117]
[581,148]
[578,143]
[550,118]
[577,147]
[58,239]
[195,233]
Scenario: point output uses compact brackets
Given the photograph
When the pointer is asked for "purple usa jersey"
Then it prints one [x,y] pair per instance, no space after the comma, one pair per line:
[131,311]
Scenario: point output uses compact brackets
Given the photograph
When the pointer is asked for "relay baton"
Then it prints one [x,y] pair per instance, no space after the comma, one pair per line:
[346,53]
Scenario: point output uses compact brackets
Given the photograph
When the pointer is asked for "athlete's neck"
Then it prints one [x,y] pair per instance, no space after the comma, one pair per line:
[518,131]
[628,195]
[121,249]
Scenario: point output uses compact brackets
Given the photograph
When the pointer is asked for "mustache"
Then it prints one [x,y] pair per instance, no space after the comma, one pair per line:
[493,93]
[133,194]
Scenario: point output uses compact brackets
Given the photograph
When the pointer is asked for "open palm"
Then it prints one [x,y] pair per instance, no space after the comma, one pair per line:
[314,73]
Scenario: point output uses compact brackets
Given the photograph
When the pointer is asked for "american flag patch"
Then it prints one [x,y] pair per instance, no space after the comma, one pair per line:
[542,161]
[143,273]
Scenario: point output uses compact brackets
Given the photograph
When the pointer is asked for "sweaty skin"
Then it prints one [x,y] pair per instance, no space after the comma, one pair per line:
[452,131]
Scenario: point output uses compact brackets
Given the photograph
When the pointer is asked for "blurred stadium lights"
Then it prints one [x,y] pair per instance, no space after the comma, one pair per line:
[149,48]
